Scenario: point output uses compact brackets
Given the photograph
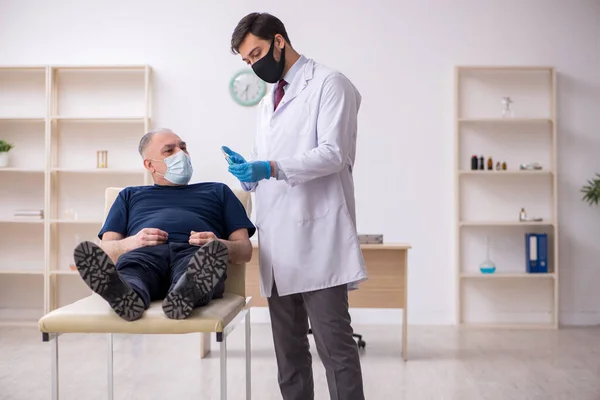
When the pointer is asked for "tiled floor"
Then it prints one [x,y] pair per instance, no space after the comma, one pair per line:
[444,363]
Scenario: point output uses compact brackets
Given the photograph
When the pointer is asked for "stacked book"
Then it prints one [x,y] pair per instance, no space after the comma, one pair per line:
[29,214]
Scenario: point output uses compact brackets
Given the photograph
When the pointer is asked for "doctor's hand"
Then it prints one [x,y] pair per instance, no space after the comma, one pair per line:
[251,171]
[201,238]
[233,156]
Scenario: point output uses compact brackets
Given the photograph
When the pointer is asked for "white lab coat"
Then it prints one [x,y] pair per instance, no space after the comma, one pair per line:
[306,223]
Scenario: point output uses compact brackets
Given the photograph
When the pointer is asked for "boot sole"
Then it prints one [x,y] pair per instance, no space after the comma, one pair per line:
[205,269]
[100,274]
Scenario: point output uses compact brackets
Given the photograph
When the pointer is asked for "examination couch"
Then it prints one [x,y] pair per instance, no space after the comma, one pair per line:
[93,315]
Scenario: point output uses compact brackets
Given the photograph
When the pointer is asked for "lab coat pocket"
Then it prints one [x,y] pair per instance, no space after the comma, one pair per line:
[298,119]
[309,201]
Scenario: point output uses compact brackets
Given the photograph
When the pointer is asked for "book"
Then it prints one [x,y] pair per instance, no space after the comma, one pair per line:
[38,214]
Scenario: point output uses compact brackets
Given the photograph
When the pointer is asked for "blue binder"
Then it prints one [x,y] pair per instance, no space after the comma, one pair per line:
[536,253]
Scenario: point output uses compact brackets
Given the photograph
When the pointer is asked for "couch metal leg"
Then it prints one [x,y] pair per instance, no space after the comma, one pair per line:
[54,343]
[248,357]
[110,367]
[223,345]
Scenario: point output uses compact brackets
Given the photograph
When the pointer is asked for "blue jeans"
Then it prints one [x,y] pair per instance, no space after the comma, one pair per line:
[153,271]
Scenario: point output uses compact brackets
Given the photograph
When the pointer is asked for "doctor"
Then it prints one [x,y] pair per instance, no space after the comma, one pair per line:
[301,172]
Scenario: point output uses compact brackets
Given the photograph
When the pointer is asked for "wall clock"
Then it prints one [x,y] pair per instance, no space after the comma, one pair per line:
[246,88]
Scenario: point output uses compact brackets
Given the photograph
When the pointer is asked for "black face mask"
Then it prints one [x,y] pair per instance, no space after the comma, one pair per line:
[267,68]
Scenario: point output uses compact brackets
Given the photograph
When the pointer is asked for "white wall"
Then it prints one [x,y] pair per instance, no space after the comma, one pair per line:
[401,56]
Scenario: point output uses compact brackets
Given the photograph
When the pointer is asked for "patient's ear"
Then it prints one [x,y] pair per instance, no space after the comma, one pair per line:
[148,165]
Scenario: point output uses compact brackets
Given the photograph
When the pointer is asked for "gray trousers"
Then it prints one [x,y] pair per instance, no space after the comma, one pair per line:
[330,323]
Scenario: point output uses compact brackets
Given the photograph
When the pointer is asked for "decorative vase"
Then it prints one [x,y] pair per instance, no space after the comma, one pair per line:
[3,159]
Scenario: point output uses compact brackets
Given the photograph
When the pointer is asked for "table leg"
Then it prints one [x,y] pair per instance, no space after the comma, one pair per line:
[405,311]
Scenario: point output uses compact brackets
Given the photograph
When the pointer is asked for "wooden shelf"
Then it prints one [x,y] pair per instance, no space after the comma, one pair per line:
[64,272]
[505,120]
[23,68]
[506,68]
[507,172]
[99,171]
[507,275]
[21,221]
[76,221]
[23,119]
[100,119]
[505,223]
[58,117]
[25,170]
[21,272]
[519,300]
[102,68]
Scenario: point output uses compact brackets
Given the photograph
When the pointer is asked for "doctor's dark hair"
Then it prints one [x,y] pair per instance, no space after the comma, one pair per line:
[262,25]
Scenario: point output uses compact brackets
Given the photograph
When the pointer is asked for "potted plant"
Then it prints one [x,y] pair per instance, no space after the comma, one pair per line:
[592,190]
[4,149]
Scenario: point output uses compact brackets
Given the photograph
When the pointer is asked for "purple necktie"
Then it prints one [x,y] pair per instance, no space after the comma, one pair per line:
[279,93]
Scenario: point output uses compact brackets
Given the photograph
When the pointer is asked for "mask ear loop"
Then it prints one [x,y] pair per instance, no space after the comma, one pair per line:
[281,61]
[156,172]
[272,47]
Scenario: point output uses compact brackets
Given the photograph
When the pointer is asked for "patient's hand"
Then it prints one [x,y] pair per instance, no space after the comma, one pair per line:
[150,237]
[201,238]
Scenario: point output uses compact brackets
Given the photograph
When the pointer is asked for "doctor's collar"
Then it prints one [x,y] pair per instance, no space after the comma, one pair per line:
[293,71]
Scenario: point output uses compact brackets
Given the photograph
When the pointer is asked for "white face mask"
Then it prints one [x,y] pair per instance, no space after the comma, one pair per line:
[179,168]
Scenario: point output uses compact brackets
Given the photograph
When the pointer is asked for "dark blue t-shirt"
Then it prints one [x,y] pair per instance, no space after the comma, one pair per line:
[178,210]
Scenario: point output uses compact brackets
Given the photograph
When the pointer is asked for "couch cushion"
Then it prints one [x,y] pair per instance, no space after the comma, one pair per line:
[92,314]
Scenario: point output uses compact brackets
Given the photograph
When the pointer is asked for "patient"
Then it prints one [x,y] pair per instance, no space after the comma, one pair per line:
[170,241]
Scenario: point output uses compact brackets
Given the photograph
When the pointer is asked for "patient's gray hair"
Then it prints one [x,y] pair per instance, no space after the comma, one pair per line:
[147,138]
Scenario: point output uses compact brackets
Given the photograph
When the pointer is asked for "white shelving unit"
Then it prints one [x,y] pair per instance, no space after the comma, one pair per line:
[58,117]
[488,202]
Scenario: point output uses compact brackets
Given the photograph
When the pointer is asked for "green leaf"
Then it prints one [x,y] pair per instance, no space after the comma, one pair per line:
[591,191]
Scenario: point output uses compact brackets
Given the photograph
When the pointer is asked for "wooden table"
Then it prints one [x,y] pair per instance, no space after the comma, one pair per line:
[387,286]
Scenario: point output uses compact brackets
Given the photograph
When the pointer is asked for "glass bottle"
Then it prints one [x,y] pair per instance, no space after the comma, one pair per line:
[507,111]
[474,162]
[522,215]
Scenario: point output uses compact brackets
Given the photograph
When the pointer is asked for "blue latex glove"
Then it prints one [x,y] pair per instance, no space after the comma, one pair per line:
[251,171]
[234,157]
